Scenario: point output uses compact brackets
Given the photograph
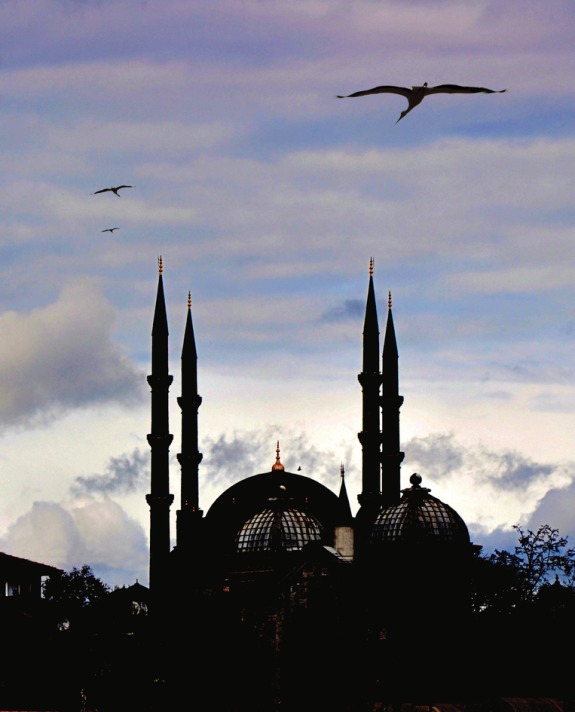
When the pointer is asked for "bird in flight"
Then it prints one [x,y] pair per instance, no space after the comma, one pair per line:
[114,190]
[111,229]
[415,95]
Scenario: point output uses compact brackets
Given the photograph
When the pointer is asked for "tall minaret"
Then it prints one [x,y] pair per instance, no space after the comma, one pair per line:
[391,402]
[370,380]
[160,440]
[189,457]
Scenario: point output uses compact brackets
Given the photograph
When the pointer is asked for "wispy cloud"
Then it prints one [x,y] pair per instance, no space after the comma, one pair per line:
[125,474]
[350,309]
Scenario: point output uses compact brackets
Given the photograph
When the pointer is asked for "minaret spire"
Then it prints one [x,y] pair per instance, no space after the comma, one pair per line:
[391,402]
[277,464]
[160,440]
[370,380]
[346,516]
[189,457]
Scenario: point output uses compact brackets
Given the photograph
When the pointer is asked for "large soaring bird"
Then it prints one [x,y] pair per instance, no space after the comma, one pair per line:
[111,229]
[415,95]
[114,190]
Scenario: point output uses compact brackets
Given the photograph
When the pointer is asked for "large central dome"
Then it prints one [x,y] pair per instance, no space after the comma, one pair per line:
[274,511]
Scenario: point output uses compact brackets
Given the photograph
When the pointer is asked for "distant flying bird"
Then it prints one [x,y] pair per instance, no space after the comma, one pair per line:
[111,229]
[415,95]
[114,190]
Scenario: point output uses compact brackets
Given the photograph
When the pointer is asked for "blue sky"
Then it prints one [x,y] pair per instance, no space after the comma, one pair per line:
[266,198]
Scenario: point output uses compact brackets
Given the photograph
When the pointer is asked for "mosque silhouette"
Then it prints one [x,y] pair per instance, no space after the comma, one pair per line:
[294,603]
[277,598]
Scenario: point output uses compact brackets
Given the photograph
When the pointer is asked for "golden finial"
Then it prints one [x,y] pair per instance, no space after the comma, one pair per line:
[389,300]
[189,300]
[277,464]
[160,264]
[371,266]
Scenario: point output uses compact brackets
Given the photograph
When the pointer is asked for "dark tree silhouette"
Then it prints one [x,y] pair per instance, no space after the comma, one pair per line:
[494,584]
[504,581]
[78,587]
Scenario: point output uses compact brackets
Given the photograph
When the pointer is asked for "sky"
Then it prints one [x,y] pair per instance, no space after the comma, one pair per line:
[266,197]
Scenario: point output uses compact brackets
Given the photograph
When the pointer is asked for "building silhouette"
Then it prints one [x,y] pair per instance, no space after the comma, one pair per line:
[279,585]
[278,598]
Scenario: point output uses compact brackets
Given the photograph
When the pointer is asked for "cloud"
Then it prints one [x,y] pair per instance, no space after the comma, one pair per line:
[442,456]
[231,457]
[350,309]
[88,526]
[556,509]
[125,474]
[61,357]
[83,531]
[493,489]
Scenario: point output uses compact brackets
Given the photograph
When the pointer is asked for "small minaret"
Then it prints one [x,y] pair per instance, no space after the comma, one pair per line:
[190,457]
[343,534]
[346,516]
[370,380]
[391,402]
[160,440]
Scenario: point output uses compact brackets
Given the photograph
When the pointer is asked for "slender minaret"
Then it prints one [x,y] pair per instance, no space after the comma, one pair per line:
[189,458]
[370,380]
[346,516]
[344,533]
[391,401]
[160,440]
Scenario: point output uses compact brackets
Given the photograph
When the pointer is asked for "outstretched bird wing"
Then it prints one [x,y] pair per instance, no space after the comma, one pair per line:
[384,89]
[114,189]
[456,89]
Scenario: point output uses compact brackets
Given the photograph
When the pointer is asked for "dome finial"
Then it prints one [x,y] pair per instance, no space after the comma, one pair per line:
[341,470]
[189,300]
[415,480]
[371,266]
[389,300]
[277,464]
[160,265]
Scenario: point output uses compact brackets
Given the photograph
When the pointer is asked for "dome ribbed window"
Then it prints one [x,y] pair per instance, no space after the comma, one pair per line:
[279,527]
[419,517]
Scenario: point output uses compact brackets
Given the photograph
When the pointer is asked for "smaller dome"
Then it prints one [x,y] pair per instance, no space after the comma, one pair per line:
[278,527]
[418,518]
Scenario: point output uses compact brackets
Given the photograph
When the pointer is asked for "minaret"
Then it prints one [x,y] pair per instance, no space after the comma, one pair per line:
[346,516]
[370,380]
[160,440]
[189,457]
[343,533]
[391,402]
